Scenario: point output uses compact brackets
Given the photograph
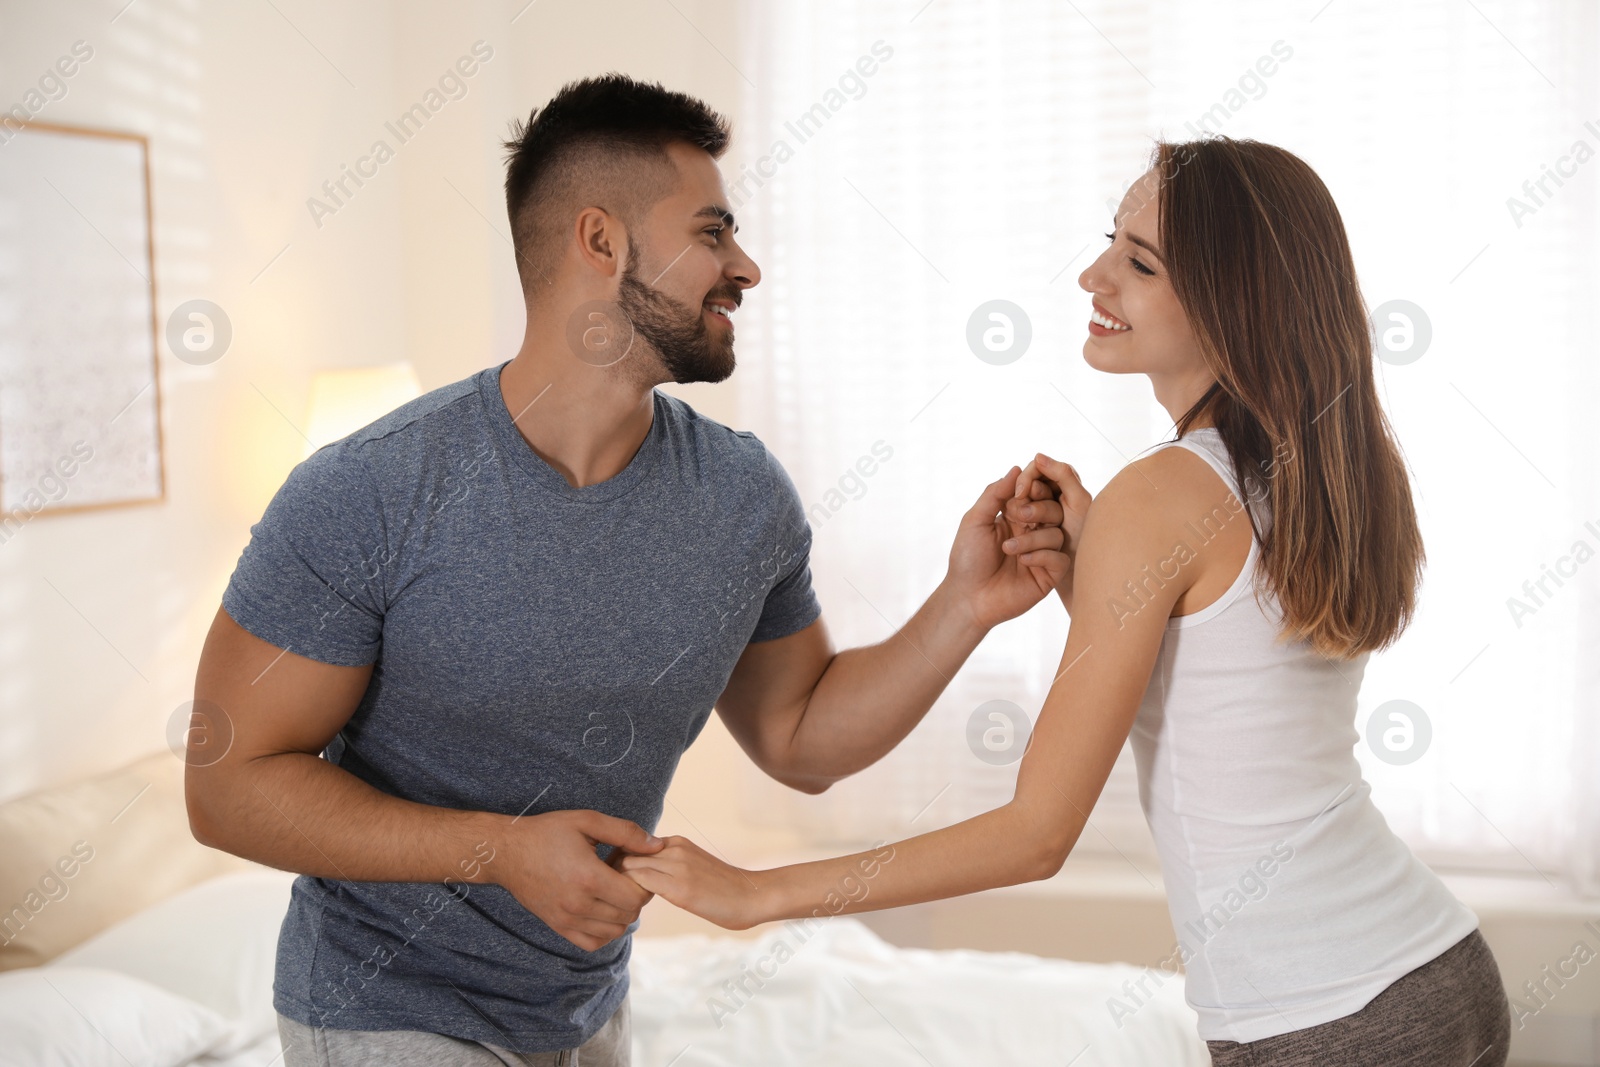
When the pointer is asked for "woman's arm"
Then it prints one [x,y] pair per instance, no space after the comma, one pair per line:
[1135,561]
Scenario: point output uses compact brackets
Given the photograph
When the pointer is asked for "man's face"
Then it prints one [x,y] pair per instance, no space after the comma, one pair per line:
[686,275]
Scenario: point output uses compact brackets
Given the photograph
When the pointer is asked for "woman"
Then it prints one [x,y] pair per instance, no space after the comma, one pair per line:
[1229,586]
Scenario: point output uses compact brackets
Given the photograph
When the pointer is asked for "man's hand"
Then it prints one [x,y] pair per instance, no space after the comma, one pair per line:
[1001,563]
[548,863]
[1046,477]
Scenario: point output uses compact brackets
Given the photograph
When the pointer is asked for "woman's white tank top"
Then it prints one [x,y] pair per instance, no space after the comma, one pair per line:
[1292,900]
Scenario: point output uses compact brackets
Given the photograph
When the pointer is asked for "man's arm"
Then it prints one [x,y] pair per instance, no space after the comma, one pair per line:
[809,716]
[272,799]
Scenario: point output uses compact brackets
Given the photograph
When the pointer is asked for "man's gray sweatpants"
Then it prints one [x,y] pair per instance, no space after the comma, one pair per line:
[306,1046]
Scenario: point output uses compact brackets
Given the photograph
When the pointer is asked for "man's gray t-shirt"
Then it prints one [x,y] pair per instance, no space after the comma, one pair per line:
[538,647]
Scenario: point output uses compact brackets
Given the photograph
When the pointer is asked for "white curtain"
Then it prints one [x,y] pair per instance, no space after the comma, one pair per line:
[900,164]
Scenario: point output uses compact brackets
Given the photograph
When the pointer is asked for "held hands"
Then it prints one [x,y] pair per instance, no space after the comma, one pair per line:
[550,866]
[1016,542]
[696,881]
[1060,483]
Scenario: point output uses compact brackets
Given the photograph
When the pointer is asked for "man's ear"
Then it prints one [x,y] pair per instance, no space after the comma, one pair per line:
[601,240]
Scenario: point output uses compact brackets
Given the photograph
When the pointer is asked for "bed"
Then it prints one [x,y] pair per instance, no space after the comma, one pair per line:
[169,977]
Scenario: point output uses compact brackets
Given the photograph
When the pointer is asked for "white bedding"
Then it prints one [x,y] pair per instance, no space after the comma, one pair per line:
[189,981]
[846,998]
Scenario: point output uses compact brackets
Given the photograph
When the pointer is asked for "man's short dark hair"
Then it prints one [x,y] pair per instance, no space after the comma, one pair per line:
[598,142]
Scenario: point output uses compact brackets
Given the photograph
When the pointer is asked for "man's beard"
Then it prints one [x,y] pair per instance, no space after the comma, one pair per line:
[677,332]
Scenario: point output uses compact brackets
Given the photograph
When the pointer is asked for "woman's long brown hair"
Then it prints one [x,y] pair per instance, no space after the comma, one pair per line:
[1260,263]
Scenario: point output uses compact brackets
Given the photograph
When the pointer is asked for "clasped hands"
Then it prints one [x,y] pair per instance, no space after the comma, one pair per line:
[1018,542]
[1012,547]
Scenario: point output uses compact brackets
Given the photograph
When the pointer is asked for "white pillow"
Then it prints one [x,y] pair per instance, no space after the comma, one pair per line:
[84,1017]
[215,944]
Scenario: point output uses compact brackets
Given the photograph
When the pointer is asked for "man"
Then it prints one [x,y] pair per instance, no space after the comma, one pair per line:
[505,609]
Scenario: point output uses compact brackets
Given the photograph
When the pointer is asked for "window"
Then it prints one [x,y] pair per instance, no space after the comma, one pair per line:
[896,168]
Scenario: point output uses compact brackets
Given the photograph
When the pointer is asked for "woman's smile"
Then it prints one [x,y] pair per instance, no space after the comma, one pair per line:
[1103,324]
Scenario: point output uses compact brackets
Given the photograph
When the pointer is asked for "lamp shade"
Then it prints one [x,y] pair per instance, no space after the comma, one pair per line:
[343,401]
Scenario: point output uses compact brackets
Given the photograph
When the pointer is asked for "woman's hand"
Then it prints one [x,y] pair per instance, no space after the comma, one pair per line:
[697,881]
[1002,563]
[1049,478]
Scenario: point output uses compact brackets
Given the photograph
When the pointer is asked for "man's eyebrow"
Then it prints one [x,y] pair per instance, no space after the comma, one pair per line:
[716,211]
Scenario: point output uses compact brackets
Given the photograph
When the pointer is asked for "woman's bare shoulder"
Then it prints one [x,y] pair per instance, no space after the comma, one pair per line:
[1165,484]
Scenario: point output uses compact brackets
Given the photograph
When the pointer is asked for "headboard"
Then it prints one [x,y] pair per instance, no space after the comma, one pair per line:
[76,858]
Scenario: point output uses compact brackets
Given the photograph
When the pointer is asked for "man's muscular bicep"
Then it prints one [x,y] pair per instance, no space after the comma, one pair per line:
[253,699]
[766,696]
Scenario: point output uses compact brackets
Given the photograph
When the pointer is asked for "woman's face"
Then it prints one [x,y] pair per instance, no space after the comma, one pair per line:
[1149,333]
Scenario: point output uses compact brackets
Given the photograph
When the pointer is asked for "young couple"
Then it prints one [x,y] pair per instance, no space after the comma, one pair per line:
[500,614]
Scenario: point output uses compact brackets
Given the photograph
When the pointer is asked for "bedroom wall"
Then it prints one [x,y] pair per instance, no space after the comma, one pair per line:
[249,109]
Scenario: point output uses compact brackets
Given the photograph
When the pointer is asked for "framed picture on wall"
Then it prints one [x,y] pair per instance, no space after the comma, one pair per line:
[80,405]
